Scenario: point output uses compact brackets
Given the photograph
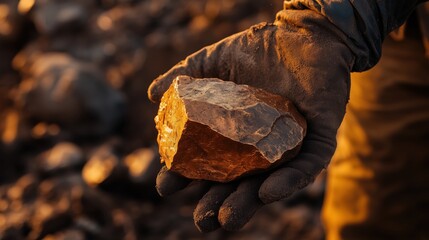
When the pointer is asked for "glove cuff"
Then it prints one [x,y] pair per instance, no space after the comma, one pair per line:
[361,35]
[365,24]
[318,25]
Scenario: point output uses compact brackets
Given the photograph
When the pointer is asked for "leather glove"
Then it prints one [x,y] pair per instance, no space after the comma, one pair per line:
[300,56]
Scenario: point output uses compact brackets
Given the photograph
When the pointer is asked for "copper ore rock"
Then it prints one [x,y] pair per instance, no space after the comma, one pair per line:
[217,130]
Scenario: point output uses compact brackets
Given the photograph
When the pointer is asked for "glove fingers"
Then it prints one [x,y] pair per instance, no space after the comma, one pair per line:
[281,184]
[314,156]
[241,205]
[206,212]
[168,182]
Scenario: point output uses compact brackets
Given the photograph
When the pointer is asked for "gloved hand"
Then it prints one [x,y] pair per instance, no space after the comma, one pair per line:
[300,57]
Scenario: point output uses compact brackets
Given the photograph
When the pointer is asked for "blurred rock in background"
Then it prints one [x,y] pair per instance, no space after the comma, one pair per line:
[78,155]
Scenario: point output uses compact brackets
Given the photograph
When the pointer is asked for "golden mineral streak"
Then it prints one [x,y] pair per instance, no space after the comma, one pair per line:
[170,123]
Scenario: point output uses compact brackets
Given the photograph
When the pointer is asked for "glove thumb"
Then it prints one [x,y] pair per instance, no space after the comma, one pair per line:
[197,65]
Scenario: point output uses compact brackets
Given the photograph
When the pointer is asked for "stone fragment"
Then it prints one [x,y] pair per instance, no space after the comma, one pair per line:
[104,169]
[217,130]
[59,89]
[62,157]
[24,189]
[50,16]
[143,165]
[13,129]
[50,217]
[11,21]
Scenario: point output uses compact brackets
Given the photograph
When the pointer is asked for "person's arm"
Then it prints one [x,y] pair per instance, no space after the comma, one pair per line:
[303,56]
[365,23]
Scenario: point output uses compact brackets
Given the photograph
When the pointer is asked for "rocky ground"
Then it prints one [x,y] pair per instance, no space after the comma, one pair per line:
[78,155]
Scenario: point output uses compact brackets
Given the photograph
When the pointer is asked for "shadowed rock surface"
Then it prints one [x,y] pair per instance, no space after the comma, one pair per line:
[217,130]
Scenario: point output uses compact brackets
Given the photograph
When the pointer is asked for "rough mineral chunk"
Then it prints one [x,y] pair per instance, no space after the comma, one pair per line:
[217,130]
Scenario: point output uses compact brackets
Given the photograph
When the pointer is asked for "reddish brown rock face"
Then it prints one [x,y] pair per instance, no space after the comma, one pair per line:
[217,130]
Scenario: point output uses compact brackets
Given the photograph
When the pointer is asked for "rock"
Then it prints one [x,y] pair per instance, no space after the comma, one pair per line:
[53,16]
[143,165]
[50,217]
[132,175]
[105,169]
[46,131]
[63,156]
[13,129]
[24,190]
[11,21]
[59,89]
[217,130]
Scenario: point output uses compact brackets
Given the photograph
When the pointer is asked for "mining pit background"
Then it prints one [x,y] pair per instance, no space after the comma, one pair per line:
[78,155]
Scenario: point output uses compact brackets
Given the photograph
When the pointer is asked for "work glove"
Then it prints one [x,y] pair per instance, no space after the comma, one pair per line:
[302,57]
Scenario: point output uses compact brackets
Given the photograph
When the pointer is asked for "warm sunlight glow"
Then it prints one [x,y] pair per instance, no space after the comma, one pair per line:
[11,127]
[25,6]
